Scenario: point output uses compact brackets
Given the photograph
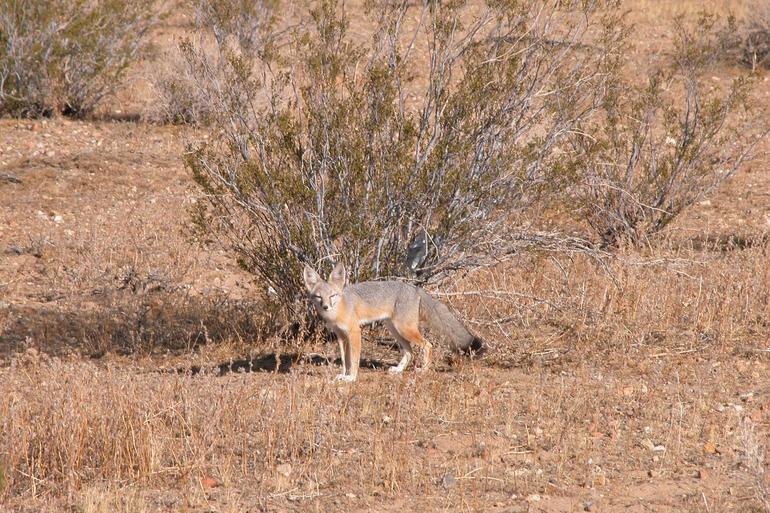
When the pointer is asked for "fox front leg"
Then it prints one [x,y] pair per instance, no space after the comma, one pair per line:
[343,342]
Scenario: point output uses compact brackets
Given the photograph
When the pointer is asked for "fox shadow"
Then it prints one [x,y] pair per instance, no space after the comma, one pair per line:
[277,363]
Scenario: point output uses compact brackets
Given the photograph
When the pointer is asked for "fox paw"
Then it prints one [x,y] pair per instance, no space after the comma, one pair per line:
[344,377]
[395,370]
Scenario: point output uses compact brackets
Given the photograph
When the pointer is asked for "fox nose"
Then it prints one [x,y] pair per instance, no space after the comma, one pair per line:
[325,307]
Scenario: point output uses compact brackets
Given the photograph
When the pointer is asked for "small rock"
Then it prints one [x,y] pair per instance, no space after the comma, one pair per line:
[588,506]
[534,498]
[647,444]
[519,507]
[701,474]
[387,419]
[210,482]
[481,450]
[448,481]
[284,469]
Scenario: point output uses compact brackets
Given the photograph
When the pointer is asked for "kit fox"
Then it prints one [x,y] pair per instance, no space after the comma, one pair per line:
[403,308]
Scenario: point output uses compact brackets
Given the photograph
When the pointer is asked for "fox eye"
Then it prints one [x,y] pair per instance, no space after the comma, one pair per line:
[316,297]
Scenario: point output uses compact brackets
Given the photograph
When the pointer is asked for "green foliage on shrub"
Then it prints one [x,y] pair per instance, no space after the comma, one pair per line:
[65,56]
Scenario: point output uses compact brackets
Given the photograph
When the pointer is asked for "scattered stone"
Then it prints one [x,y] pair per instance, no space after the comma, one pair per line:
[210,482]
[518,507]
[650,446]
[588,506]
[448,481]
[481,451]
[711,447]
[284,469]
[8,178]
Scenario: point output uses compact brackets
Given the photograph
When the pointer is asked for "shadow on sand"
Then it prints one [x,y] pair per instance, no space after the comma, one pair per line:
[281,363]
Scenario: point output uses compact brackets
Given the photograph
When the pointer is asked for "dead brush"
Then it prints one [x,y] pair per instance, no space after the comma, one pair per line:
[752,461]
[66,56]
[110,434]
[68,425]
[753,35]
[680,295]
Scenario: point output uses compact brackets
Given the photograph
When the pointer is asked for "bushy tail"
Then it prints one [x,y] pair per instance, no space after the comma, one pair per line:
[444,324]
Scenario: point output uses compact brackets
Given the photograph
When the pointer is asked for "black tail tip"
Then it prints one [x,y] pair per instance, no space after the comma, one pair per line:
[475,348]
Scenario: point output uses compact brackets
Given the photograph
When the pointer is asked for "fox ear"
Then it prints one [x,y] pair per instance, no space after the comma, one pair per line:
[311,277]
[338,277]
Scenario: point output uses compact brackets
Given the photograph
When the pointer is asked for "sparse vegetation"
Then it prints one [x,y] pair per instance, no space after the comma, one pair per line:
[663,145]
[192,82]
[752,462]
[139,374]
[66,56]
[754,35]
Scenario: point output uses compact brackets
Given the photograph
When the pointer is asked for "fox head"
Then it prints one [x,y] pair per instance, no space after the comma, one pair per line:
[325,294]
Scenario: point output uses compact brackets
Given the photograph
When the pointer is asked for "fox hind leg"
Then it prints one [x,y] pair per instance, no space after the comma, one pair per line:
[404,345]
[413,336]
[353,353]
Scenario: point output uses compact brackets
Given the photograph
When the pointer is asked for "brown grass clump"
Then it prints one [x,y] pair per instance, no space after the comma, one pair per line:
[708,293]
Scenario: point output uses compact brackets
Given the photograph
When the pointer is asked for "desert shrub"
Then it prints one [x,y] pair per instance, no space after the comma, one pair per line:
[65,56]
[662,145]
[756,34]
[348,157]
[189,80]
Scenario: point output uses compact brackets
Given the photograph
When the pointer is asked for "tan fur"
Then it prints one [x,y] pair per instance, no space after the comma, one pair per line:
[402,307]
